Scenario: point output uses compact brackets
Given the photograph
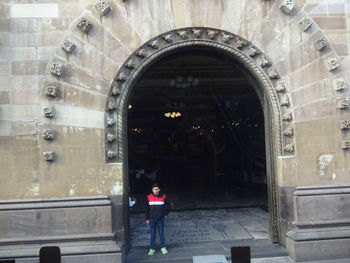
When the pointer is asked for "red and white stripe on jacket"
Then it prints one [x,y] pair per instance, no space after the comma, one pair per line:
[157,206]
[156,200]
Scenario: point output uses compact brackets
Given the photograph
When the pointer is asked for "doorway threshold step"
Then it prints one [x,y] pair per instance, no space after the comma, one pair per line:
[184,252]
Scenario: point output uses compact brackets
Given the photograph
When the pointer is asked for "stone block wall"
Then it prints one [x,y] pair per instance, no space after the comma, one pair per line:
[322,223]
[53,140]
[31,34]
[80,226]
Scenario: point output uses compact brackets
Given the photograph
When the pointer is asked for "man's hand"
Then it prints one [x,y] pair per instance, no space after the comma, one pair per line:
[147,222]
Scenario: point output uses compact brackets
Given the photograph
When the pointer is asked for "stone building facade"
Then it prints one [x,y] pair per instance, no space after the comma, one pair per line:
[67,71]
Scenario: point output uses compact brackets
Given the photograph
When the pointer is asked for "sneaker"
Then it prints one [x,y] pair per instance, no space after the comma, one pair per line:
[164,250]
[151,252]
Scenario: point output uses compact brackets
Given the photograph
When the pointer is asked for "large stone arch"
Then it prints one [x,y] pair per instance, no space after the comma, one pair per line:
[273,96]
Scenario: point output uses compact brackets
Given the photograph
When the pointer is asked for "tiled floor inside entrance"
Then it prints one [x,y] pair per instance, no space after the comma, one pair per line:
[205,232]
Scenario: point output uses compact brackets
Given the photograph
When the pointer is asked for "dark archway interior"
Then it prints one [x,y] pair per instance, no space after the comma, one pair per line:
[196,127]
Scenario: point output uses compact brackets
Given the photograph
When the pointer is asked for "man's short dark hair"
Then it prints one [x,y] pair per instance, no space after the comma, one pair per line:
[155,185]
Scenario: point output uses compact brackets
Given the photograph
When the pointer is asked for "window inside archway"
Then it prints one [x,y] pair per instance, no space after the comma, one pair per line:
[196,127]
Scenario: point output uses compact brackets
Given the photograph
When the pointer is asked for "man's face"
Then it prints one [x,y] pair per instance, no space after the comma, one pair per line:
[155,190]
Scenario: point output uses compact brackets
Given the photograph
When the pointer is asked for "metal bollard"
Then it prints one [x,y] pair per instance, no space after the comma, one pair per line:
[50,255]
[240,254]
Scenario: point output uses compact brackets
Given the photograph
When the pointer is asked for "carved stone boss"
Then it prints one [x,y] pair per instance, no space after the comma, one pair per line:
[48,134]
[343,104]
[51,91]
[305,24]
[68,47]
[84,25]
[49,156]
[339,84]
[49,112]
[287,6]
[333,63]
[320,43]
[289,132]
[289,148]
[345,124]
[56,69]
[103,7]
[345,144]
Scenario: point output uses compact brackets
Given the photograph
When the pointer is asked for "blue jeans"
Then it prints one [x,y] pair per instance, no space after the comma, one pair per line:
[157,224]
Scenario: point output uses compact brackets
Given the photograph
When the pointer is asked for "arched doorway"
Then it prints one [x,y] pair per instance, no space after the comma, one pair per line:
[253,65]
[196,127]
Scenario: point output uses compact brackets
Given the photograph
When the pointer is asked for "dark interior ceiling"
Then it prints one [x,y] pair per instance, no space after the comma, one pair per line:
[217,81]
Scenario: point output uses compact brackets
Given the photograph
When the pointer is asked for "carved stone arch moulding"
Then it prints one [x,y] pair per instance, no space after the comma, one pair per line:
[255,62]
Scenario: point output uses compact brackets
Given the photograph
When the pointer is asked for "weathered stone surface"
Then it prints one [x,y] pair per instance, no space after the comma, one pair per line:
[90,73]
[58,217]
[28,67]
[34,10]
[45,53]
[4,97]
[317,208]
[331,22]
[25,89]
[23,53]
[4,84]
[85,102]
[84,117]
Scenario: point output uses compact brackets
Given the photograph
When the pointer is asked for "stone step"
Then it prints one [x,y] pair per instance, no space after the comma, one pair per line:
[182,253]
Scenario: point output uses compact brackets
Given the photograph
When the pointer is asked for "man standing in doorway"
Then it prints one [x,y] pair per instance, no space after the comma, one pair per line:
[157,209]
